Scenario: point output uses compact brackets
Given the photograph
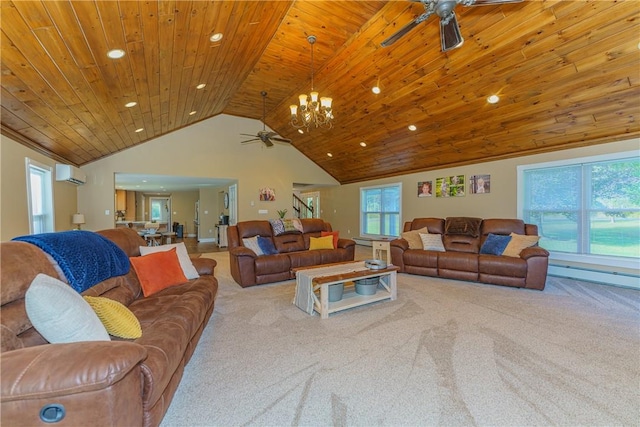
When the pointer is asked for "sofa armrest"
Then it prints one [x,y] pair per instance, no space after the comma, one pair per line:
[78,383]
[533,251]
[241,251]
[51,370]
[400,244]
[345,243]
[204,266]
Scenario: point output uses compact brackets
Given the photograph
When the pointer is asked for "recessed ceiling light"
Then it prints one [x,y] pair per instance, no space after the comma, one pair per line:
[139,130]
[375,90]
[216,37]
[115,53]
[363,144]
[130,104]
[201,86]
[493,99]
[412,127]
[192,113]
[329,154]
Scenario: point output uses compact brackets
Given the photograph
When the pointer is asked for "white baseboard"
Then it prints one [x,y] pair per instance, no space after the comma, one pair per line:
[207,240]
[609,278]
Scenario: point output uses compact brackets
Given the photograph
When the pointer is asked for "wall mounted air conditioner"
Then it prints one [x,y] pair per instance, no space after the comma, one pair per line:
[70,173]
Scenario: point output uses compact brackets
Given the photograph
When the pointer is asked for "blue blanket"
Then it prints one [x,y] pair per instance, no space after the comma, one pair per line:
[86,258]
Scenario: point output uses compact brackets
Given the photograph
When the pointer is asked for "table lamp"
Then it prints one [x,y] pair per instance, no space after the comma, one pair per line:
[78,219]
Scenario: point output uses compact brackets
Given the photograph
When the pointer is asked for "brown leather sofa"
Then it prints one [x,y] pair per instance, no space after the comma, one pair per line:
[249,269]
[462,259]
[115,383]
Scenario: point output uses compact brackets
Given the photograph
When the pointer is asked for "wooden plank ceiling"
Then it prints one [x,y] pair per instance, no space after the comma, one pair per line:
[567,72]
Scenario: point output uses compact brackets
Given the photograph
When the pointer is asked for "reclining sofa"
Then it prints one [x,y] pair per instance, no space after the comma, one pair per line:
[292,247]
[90,383]
[461,258]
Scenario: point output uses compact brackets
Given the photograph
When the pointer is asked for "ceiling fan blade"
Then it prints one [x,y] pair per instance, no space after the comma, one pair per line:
[247,134]
[492,2]
[268,143]
[250,140]
[450,37]
[285,140]
[401,32]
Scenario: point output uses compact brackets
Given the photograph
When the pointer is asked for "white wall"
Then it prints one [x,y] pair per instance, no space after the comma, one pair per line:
[209,149]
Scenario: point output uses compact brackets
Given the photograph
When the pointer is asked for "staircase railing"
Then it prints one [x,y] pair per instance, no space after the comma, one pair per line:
[301,209]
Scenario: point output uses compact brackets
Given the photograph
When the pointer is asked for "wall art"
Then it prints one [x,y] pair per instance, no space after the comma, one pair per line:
[425,189]
[267,194]
[480,184]
[450,186]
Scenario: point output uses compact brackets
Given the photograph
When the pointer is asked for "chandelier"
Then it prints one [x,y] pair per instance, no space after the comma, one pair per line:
[310,112]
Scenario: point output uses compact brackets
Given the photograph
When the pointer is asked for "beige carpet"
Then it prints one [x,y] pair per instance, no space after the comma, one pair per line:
[445,353]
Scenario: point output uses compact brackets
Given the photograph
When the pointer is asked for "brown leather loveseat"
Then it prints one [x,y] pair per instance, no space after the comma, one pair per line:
[248,268]
[116,383]
[462,240]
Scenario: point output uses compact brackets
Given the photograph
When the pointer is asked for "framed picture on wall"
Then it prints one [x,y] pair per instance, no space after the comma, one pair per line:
[480,184]
[450,186]
[442,187]
[456,187]
[267,194]
[425,189]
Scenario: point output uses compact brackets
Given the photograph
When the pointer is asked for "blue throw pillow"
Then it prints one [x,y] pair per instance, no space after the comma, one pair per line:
[495,244]
[266,245]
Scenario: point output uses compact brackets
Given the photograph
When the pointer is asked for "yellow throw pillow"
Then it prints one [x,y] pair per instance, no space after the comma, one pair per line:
[117,319]
[519,242]
[325,242]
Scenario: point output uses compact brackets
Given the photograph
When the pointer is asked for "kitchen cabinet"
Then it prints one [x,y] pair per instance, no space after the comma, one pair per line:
[121,200]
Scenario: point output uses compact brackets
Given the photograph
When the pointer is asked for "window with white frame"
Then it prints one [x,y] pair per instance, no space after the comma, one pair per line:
[40,197]
[588,207]
[380,210]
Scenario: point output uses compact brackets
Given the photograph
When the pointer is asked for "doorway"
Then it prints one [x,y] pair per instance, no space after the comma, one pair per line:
[160,210]
[312,200]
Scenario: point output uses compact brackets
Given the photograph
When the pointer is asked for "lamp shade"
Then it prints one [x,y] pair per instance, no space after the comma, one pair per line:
[78,219]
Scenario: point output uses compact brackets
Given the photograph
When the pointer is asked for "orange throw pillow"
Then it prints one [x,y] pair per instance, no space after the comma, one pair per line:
[158,271]
[331,233]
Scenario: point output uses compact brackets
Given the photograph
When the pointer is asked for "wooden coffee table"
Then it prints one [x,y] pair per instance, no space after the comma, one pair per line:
[312,286]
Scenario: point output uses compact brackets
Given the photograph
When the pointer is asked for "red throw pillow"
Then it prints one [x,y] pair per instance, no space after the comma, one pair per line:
[331,233]
[158,271]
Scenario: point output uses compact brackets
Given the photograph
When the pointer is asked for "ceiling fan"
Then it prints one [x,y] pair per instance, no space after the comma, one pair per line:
[450,37]
[268,138]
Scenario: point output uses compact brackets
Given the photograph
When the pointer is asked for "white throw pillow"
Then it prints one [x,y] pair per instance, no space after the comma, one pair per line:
[432,242]
[60,313]
[188,269]
[252,243]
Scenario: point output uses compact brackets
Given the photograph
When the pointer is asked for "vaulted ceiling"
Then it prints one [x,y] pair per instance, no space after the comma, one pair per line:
[567,73]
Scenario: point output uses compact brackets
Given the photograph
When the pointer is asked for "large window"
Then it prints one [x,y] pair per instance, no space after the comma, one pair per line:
[40,197]
[380,211]
[589,207]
